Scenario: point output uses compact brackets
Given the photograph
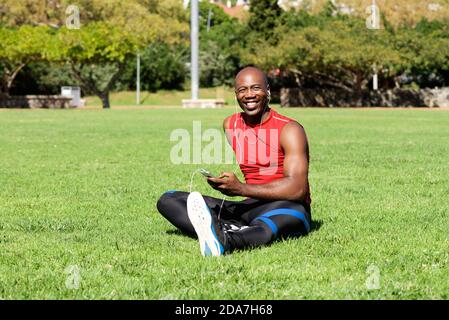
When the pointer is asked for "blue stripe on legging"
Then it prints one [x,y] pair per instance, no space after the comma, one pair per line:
[301,216]
[170,191]
[270,223]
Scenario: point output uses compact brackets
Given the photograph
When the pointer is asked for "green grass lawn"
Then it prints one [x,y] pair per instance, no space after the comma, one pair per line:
[163,97]
[78,190]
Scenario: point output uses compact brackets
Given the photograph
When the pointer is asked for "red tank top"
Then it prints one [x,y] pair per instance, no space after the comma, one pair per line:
[257,148]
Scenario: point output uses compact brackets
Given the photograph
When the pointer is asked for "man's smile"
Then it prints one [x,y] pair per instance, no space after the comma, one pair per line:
[251,105]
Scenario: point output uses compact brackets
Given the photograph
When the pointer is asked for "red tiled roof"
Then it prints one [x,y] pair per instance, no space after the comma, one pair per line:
[238,12]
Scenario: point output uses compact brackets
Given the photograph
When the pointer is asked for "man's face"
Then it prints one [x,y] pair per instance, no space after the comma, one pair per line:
[252,91]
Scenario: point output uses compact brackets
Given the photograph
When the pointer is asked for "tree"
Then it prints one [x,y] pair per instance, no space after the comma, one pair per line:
[19,47]
[52,13]
[341,54]
[98,51]
[397,12]
[162,67]
[424,52]
[111,32]
[32,12]
[219,54]
[264,18]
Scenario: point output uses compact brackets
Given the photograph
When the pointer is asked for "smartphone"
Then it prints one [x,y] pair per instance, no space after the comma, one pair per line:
[206,173]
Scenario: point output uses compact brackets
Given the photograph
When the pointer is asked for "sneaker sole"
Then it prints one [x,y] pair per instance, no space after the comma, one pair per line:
[201,219]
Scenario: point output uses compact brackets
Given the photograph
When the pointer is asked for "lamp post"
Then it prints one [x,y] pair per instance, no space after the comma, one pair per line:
[138,80]
[195,102]
[375,79]
[194,40]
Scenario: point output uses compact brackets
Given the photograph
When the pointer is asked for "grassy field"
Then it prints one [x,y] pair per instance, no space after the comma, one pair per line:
[163,97]
[78,190]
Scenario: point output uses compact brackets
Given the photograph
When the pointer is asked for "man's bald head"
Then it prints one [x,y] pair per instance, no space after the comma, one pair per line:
[253,93]
[255,73]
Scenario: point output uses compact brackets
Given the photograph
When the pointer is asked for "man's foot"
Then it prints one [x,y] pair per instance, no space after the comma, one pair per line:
[210,234]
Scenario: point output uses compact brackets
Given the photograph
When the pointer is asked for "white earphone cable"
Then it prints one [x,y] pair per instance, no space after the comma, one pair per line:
[238,116]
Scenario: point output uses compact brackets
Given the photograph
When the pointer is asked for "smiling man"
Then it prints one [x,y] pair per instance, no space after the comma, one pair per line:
[273,155]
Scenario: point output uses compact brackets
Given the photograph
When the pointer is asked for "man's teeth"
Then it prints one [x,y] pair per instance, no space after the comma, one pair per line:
[251,104]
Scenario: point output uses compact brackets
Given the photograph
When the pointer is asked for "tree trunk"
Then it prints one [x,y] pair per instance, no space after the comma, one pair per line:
[104,96]
[91,86]
[8,79]
[4,86]
[358,90]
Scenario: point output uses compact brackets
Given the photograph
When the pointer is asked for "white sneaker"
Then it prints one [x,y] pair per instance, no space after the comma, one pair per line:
[206,225]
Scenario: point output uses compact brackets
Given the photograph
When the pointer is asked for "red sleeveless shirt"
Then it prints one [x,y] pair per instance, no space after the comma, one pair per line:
[258,149]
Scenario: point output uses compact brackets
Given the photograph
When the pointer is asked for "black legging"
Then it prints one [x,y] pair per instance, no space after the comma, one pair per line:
[249,223]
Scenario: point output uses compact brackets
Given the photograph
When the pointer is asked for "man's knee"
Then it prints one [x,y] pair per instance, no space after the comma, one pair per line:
[286,207]
[256,234]
[285,223]
[164,202]
[267,230]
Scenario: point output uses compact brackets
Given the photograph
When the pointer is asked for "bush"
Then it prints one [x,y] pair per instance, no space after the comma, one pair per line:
[161,67]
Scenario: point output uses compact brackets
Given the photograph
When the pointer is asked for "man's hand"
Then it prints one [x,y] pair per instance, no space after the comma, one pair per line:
[228,184]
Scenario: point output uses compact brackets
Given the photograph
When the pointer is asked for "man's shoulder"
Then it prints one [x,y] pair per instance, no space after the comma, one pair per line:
[227,122]
[279,116]
[293,131]
[286,122]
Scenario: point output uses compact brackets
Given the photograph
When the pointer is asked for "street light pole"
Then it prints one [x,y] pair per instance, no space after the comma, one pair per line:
[375,79]
[194,40]
[138,80]
[195,102]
